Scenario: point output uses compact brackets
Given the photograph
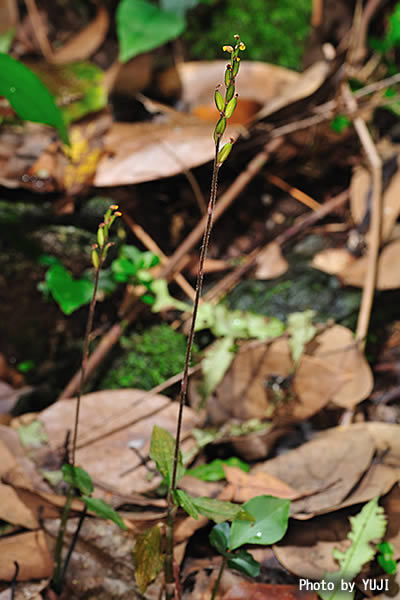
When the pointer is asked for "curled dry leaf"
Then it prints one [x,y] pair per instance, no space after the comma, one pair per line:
[333,260]
[112,423]
[246,486]
[388,272]
[270,262]
[30,551]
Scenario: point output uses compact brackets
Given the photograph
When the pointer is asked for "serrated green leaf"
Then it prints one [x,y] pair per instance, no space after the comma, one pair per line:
[164,300]
[245,563]
[69,293]
[148,557]
[104,510]
[78,478]
[142,26]
[214,471]
[368,525]
[162,450]
[219,536]
[185,501]
[30,99]
[301,331]
[385,558]
[218,510]
[269,526]
[32,435]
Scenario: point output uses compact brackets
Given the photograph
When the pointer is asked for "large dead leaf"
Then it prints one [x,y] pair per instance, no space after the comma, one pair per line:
[14,510]
[261,591]
[111,423]
[388,272]
[31,553]
[246,486]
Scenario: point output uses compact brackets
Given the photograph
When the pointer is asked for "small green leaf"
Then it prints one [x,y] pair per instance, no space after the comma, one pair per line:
[218,510]
[185,501]
[340,123]
[30,99]
[6,39]
[78,478]
[148,557]
[301,331]
[162,450]
[214,471]
[270,522]
[104,510]
[385,558]
[217,360]
[245,563]
[69,293]
[164,300]
[32,435]
[219,536]
[142,26]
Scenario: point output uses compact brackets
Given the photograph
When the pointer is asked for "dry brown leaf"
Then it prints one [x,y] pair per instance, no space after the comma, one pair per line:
[26,591]
[390,204]
[249,485]
[111,421]
[14,510]
[270,262]
[322,465]
[333,260]
[7,459]
[31,553]
[388,275]
[84,43]
[336,346]
[243,590]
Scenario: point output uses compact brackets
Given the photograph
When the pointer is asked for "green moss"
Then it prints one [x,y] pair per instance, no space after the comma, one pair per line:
[274,31]
[148,359]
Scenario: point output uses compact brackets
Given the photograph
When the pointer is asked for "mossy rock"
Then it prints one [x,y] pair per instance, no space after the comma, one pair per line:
[147,359]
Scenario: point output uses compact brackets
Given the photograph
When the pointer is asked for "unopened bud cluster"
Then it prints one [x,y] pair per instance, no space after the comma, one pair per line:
[226,104]
[99,250]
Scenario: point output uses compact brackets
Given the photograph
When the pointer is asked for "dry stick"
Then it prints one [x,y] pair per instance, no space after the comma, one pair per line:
[151,245]
[375,164]
[294,192]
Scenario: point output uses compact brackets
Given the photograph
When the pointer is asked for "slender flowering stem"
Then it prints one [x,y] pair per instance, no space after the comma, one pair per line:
[226,107]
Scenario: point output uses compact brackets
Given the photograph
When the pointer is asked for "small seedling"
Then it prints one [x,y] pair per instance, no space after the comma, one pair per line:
[269,525]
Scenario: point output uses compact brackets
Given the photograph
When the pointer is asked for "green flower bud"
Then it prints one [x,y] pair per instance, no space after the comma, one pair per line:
[95,259]
[230,109]
[235,66]
[228,75]
[224,153]
[230,92]
[219,128]
[100,235]
[219,101]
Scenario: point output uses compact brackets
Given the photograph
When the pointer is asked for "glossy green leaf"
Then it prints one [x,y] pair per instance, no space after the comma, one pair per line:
[385,558]
[219,536]
[218,510]
[142,26]
[245,563]
[214,471]
[183,499]
[162,450]
[270,522]
[69,293]
[104,510]
[148,557]
[78,478]
[179,7]
[30,99]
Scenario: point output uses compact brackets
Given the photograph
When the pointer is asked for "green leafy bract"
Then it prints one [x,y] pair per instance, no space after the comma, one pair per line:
[162,449]
[368,525]
[183,499]
[78,478]
[104,510]
[148,557]
[218,510]
[30,99]
[270,516]
[301,331]
[142,26]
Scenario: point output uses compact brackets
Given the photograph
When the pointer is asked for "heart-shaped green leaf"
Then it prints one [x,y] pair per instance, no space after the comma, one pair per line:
[68,292]
[219,536]
[30,99]
[142,26]
[270,522]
